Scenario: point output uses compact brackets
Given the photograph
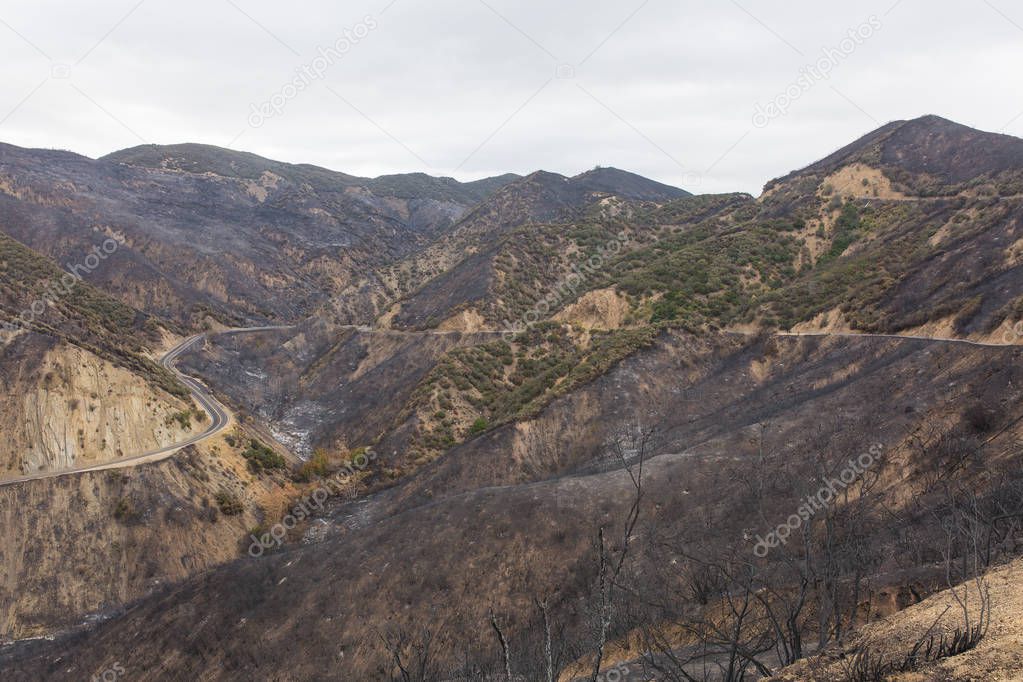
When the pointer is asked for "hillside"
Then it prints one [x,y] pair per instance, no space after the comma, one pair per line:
[870,238]
[37,295]
[507,489]
[146,526]
[206,159]
[832,248]
[998,657]
[459,268]
[597,417]
[78,380]
[211,234]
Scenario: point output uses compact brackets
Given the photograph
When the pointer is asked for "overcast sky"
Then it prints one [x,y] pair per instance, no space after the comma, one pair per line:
[471,88]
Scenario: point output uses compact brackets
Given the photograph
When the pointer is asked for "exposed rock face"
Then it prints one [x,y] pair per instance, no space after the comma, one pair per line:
[601,309]
[64,406]
[466,321]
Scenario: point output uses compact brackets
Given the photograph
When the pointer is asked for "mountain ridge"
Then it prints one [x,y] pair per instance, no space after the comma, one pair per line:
[500,454]
[927,145]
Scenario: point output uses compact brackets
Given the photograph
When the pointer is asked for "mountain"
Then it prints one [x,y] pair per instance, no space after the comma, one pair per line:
[206,159]
[931,156]
[676,432]
[211,233]
[831,248]
[626,185]
[936,189]
[459,267]
[916,224]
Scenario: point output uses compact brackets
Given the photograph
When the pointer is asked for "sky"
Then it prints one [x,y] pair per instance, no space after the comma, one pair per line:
[712,96]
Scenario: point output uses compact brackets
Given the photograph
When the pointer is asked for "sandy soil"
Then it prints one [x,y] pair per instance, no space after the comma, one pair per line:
[998,658]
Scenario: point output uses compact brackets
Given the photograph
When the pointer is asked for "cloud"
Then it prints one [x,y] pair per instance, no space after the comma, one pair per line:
[476,87]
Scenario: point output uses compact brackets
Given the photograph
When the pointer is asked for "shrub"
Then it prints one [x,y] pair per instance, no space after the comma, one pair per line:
[317,466]
[228,503]
[478,426]
[184,418]
[262,458]
[124,511]
[846,230]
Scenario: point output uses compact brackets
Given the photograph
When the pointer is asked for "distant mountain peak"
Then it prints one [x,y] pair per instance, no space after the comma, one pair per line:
[627,185]
[945,152]
[600,180]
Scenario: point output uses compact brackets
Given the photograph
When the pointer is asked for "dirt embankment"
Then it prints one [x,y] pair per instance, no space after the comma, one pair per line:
[998,657]
[114,536]
[600,309]
[64,407]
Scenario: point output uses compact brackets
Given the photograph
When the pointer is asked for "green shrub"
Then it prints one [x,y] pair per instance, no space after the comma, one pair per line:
[478,426]
[183,418]
[317,466]
[124,510]
[846,230]
[262,458]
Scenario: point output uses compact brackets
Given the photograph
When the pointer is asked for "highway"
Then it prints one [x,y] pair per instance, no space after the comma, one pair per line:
[219,416]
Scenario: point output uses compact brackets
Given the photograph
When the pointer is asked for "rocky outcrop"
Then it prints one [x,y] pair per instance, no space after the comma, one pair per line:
[64,407]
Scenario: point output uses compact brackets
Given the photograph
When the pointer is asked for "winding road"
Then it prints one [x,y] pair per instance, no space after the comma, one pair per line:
[219,416]
[899,337]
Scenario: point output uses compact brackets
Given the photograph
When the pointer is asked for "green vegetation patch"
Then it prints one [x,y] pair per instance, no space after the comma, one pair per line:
[500,382]
[261,458]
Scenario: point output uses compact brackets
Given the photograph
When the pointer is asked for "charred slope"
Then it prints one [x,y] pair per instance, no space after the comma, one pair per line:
[207,230]
[931,155]
[79,548]
[323,387]
[619,183]
[511,516]
[198,158]
[918,223]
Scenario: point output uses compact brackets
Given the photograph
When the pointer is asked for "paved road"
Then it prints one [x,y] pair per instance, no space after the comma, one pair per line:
[900,337]
[219,416]
[365,329]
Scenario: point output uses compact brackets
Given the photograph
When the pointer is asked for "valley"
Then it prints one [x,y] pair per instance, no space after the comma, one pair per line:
[537,424]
